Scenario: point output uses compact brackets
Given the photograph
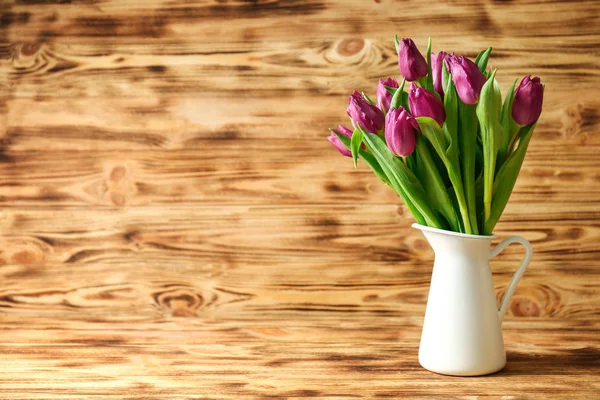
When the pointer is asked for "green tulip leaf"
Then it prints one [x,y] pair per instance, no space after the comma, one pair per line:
[507,177]
[479,201]
[482,59]
[399,94]
[429,80]
[396,43]
[467,145]
[391,90]
[446,76]
[429,175]
[404,100]
[365,156]
[451,124]
[509,126]
[432,131]
[434,134]
[488,114]
[411,161]
[355,142]
[452,195]
[367,98]
[403,181]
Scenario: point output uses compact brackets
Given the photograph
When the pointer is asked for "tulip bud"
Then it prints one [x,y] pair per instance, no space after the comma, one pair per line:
[400,132]
[437,64]
[467,78]
[337,143]
[527,105]
[364,113]
[423,103]
[383,96]
[412,63]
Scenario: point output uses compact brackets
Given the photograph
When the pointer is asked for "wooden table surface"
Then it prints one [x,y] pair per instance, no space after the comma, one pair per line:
[173,223]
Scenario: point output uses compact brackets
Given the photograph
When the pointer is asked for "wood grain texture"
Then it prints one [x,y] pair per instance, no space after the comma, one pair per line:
[173,223]
[260,175]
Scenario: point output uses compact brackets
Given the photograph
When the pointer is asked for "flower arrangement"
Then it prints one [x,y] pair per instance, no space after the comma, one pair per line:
[450,147]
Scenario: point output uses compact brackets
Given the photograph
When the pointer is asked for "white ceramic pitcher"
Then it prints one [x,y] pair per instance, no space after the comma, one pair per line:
[462,332]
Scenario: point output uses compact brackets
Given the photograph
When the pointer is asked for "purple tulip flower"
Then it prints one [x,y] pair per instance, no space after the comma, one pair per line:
[412,63]
[384,97]
[529,96]
[423,103]
[337,143]
[400,132]
[437,64]
[364,113]
[467,78]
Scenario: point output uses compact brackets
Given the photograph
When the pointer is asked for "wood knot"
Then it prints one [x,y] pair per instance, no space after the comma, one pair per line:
[333,187]
[575,233]
[29,49]
[117,199]
[117,174]
[579,120]
[420,244]
[524,307]
[27,257]
[179,302]
[27,251]
[370,298]
[349,47]
[326,221]
[533,301]
[118,187]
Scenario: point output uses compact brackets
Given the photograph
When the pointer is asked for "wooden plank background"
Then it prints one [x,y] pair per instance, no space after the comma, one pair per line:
[175,225]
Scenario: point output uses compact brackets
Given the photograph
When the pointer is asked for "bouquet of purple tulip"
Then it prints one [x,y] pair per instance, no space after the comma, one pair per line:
[451,148]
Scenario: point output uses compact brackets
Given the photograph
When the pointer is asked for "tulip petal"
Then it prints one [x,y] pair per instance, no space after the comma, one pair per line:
[467,78]
[423,103]
[365,114]
[413,65]
[384,97]
[527,105]
[335,141]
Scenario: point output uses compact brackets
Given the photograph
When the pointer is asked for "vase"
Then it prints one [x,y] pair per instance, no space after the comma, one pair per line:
[462,332]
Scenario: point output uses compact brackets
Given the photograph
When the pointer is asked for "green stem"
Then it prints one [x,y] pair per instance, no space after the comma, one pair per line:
[432,131]
[402,180]
[511,144]
[433,183]
[462,204]
[467,144]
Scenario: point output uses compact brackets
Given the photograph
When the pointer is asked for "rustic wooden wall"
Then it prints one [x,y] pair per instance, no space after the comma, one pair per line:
[174,223]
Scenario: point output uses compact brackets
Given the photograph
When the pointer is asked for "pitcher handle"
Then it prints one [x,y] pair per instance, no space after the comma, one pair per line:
[518,274]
